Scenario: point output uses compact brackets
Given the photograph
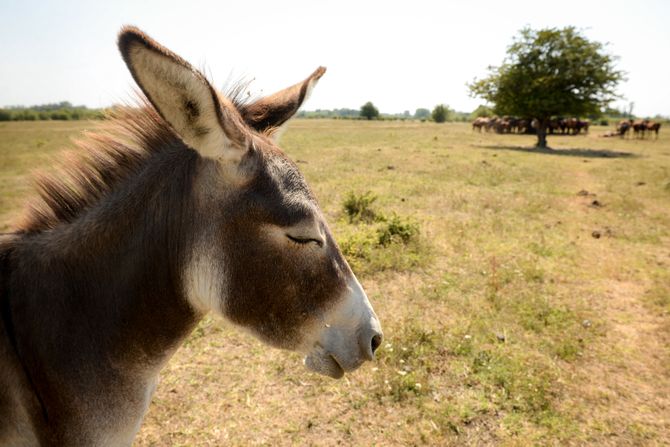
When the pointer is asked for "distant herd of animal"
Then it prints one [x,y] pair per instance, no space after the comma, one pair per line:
[509,124]
[563,126]
[640,128]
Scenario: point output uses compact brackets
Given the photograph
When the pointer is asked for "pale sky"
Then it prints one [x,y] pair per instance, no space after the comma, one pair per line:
[400,55]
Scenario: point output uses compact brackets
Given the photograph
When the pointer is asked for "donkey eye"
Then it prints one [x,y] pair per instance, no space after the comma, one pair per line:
[304,240]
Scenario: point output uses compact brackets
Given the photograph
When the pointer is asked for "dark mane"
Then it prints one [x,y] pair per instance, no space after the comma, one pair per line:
[100,161]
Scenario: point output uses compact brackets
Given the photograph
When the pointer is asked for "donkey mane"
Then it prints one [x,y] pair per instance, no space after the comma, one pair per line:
[104,158]
[99,162]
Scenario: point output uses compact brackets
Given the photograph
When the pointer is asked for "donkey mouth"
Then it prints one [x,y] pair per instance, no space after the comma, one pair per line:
[325,364]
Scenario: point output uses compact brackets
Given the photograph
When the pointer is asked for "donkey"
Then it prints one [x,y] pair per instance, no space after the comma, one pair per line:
[183,206]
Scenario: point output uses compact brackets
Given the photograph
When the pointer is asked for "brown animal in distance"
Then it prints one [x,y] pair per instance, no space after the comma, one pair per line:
[181,207]
[653,127]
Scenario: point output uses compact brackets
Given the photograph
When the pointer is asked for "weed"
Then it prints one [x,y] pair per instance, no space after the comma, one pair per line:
[358,207]
[397,229]
[383,243]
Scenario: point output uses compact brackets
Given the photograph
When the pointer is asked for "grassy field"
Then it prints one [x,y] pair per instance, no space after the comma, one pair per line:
[525,296]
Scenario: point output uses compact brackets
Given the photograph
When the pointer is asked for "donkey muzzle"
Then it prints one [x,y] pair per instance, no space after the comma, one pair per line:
[349,336]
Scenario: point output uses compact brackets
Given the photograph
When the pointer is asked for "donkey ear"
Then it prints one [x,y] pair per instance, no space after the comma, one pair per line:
[182,96]
[275,110]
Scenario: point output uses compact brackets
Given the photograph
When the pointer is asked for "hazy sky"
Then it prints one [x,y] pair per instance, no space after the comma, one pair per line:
[401,55]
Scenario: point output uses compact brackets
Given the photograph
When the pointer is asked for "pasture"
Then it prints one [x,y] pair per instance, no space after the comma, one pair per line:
[531,307]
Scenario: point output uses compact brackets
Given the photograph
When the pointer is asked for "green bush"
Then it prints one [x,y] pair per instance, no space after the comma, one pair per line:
[397,229]
[440,113]
[60,115]
[376,242]
[358,207]
[25,115]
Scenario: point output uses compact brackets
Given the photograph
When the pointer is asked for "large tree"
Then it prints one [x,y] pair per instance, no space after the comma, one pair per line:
[548,73]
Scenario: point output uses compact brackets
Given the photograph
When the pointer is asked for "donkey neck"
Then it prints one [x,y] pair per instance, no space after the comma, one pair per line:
[108,288]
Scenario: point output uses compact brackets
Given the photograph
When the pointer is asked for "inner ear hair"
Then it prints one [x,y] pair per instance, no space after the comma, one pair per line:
[181,95]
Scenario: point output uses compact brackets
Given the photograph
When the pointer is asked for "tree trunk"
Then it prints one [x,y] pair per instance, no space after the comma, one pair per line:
[542,134]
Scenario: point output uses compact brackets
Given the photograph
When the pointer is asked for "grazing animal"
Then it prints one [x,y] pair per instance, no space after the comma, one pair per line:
[479,123]
[639,127]
[624,127]
[522,125]
[492,124]
[502,125]
[582,125]
[553,126]
[653,127]
[181,207]
[573,126]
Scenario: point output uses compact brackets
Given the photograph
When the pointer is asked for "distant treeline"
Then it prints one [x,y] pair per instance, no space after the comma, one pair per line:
[355,114]
[65,111]
[62,111]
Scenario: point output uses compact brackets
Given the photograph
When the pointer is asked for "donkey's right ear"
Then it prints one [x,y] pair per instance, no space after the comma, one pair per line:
[183,96]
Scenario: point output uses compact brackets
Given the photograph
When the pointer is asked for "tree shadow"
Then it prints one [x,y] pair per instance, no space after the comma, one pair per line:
[584,153]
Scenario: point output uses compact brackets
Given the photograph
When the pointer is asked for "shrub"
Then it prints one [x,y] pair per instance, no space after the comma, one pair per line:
[25,115]
[440,113]
[377,242]
[397,229]
[358,207]
[60,115]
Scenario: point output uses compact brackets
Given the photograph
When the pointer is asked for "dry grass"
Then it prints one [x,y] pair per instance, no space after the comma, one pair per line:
[507,322]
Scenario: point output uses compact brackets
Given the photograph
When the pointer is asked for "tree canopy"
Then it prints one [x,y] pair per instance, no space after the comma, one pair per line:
[369,111]
[550,72]
[421,113]
[440,113]
[480,111]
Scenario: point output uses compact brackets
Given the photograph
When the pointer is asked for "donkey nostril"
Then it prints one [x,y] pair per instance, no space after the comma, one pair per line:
[376,342]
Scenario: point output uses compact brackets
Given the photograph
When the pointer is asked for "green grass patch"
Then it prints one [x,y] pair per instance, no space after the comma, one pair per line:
[379,242]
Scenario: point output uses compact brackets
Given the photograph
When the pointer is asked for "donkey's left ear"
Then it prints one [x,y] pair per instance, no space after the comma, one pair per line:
[183,97]
[271,112]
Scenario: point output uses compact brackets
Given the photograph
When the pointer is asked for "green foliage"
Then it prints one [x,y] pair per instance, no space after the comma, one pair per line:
[62,111]
[358,207]
[369,111]
[551,72]
[397,229]
[440,113]
[481,111]
[421,113]
[334,113]
[355,114]
[377,242]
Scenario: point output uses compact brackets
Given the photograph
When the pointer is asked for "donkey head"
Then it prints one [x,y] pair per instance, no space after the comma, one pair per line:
[259,251]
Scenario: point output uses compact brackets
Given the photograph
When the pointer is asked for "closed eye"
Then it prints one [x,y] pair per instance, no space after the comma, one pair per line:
[305,240]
